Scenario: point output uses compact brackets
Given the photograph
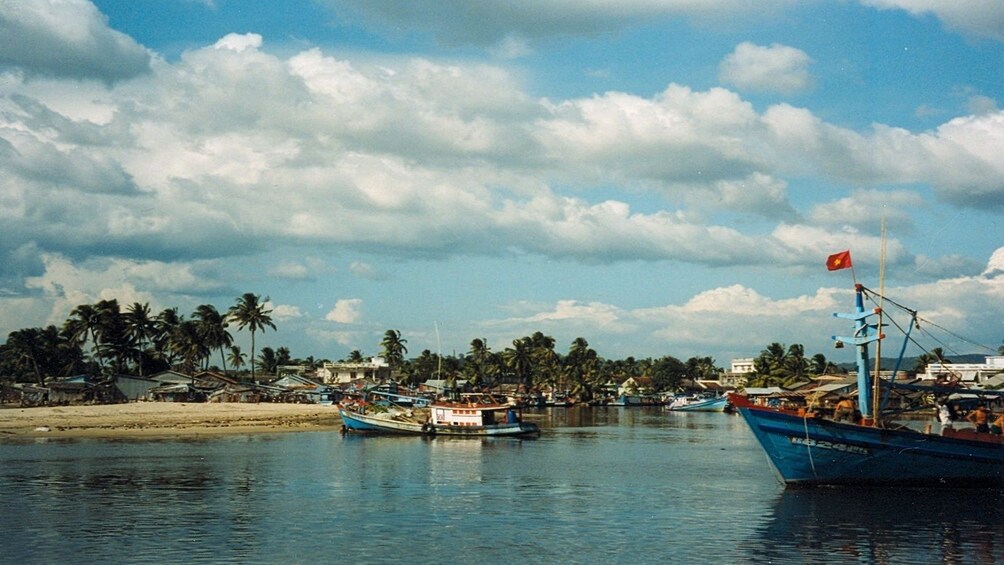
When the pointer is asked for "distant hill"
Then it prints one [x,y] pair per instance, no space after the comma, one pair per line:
[910,362]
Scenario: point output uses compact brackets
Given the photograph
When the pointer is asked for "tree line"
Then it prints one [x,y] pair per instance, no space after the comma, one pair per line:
[103,338]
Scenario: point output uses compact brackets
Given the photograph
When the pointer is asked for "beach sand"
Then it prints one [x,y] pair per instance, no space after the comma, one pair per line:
[163,419]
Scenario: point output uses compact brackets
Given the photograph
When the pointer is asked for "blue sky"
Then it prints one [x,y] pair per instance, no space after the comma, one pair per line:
[658,177]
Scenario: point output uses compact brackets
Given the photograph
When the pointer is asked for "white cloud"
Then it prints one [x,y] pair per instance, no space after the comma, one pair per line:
[976,17]
[66,38]
[284,312]
[778,68]
[346,311]
[869,208]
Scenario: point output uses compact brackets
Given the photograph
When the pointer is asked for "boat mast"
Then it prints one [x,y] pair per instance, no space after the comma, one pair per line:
[864,333]
[876,393]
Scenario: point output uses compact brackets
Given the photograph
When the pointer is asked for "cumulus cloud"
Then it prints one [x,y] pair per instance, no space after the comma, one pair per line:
[66,38]
[284,312]
[457,22]
[974,17]
[778,68]
[425,158]
[867,209]
[346,311]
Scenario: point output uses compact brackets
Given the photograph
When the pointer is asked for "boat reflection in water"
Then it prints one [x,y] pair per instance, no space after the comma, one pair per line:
[878,525]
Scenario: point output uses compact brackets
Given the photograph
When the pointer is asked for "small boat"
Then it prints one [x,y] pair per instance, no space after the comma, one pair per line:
[472,416]
[699,403]
[806,449]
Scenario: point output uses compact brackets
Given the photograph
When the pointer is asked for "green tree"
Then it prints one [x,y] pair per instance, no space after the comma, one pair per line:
[187,345]
[141,329]
[237,358]
[213,327]
[268,360]
[518,360]
[250,312]
[393,348]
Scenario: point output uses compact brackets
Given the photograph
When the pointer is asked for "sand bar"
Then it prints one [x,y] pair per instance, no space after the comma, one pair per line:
[163,419]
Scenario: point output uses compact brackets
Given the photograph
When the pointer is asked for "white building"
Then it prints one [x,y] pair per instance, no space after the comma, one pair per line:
[742,365]
[965,372]
[376,369]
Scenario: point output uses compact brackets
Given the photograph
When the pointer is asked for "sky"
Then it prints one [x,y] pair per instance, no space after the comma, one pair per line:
[659,177]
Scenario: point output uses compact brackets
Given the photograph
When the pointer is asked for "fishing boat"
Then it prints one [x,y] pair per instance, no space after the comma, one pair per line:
[698,403]
[471,416]
[806,449]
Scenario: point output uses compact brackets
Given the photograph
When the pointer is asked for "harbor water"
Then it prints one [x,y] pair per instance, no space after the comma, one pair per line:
[601,485]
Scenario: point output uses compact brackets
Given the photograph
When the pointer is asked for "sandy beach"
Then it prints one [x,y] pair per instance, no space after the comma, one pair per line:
[163,419]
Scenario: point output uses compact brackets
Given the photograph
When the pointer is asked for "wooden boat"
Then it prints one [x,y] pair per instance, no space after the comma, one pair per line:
[806,449]
[472,416]
[699,403]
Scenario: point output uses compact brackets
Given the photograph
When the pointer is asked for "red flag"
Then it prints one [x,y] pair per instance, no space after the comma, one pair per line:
[838,261]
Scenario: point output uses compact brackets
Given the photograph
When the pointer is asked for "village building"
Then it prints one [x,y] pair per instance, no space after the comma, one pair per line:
[340,373]
[969,373]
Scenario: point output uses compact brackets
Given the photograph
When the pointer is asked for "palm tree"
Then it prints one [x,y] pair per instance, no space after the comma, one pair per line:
[27,349]
[393,348]
[167,321]
[478,358]
[237,359]
[187,343]
[355,356]
[83,324]
[213,327]
[795,363]
[113,337]
[935,356]
[250,312]
[141,328]
[268,360]
[519,360]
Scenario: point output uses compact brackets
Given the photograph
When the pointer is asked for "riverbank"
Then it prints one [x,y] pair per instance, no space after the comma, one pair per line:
[164,419]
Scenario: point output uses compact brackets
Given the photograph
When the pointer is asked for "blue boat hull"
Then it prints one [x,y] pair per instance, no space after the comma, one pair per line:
[814,451]
[709,405]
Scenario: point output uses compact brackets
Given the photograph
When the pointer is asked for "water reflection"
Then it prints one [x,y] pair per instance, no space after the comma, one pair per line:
[882,526]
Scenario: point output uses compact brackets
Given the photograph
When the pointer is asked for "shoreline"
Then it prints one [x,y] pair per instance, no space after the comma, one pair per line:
[163,420]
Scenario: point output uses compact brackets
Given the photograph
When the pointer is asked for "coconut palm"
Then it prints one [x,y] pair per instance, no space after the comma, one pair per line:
[355,356]
[250,312]
[167,321]
[519,360]
[83,325]
[213,326]
[113,338]
[140,328]
[187,344]
[236,357]
[268,360]
[393,348]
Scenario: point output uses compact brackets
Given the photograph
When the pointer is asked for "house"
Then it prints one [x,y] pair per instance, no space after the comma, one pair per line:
[135,388]
[634,386]
[969,373]
[171,377]
[376,369]
[72,390]
[177,392]
[299,387]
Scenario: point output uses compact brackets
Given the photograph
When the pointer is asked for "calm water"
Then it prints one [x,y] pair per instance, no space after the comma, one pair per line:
[624,485]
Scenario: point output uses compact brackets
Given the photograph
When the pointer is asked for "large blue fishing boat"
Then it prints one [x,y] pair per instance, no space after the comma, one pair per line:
[806,449]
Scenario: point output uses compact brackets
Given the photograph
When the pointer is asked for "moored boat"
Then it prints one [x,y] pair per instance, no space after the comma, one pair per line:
[806,449]
[698,403]
[473,416]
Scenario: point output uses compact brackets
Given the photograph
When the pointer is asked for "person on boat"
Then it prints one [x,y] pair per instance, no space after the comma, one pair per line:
[946,415]
[844,410]
[979,418]
[998,426]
